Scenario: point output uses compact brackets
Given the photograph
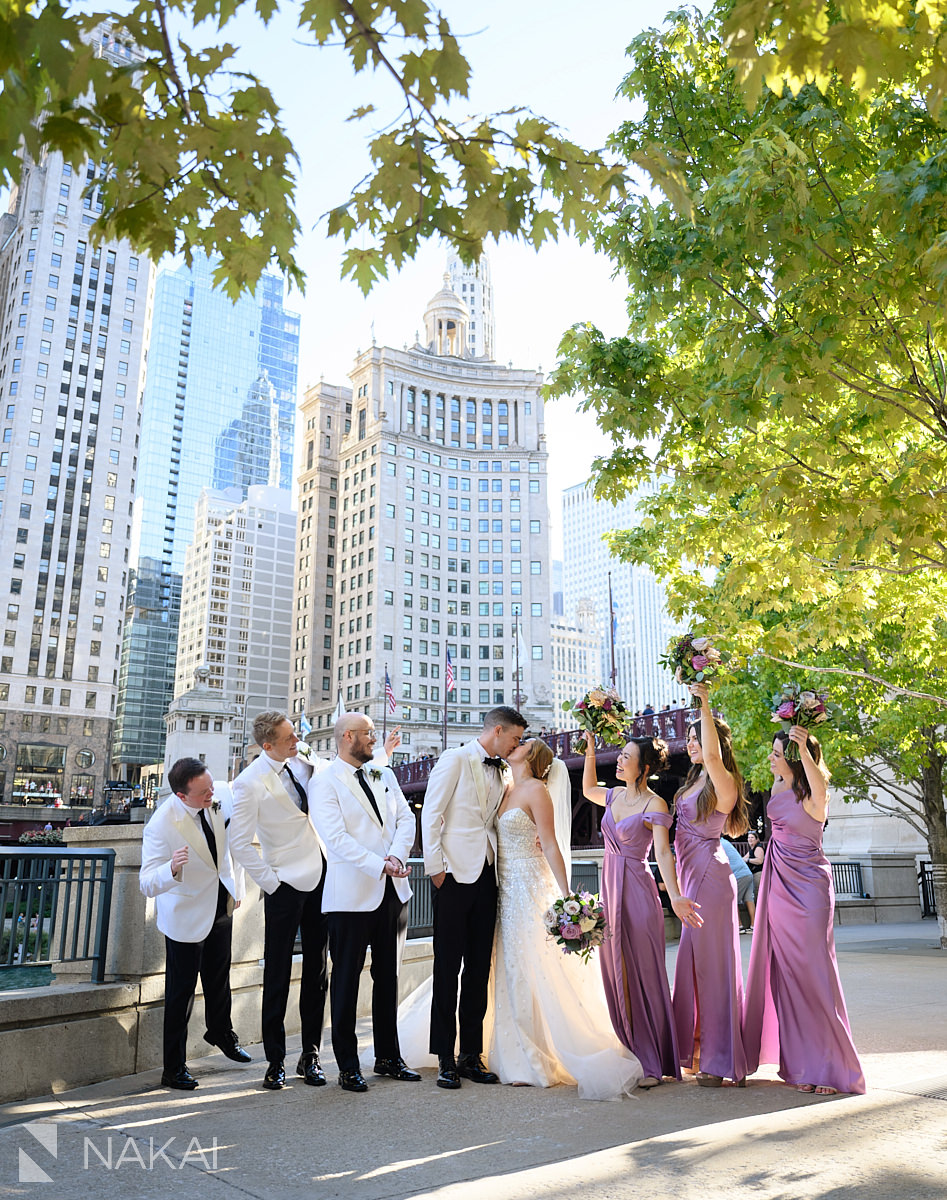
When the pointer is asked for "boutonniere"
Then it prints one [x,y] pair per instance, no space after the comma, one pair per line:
[215,805]
[374,774]
[303,750]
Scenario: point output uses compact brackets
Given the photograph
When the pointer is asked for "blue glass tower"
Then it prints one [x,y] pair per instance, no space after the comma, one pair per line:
[220,390]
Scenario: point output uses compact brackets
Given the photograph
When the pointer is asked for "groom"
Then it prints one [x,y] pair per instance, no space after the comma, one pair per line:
[459,839]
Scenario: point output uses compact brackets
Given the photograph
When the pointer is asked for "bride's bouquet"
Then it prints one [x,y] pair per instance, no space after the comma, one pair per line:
[795,706]
[692,659]
[600,712]
[577,923]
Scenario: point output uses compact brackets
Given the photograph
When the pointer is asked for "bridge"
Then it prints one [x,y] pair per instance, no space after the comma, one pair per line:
[670,724]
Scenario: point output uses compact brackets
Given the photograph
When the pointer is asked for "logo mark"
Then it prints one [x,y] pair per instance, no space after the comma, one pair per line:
[48,1138]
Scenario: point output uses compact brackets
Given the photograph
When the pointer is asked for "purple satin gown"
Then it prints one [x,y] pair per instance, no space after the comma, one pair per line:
[632,958]
[708,979]
[795,1011]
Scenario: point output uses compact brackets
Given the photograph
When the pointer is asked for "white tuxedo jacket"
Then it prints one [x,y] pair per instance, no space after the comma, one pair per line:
[458,830]
[186,906]
[290,849]
[356,844]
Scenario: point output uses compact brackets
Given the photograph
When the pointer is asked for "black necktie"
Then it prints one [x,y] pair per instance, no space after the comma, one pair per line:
[496,763]
[208,835]
[363,784]
[303,794]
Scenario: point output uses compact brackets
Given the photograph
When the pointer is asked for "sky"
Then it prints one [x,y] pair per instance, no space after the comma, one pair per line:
[564,61]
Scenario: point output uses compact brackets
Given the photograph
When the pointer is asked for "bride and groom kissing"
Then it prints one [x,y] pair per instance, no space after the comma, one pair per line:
[496,833]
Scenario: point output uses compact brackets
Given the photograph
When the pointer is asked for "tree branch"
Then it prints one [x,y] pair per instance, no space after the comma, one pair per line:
[891,687]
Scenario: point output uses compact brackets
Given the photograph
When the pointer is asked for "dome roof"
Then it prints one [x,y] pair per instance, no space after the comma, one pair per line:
[446,303]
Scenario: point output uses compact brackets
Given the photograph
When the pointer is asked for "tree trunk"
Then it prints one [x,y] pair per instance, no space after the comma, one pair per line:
[932,791]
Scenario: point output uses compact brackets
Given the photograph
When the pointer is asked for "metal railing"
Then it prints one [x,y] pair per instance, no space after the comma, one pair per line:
[55,907]
[925,880]
[847,879]
[421,904]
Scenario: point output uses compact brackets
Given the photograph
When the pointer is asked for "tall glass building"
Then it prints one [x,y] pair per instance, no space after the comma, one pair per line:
[213,368]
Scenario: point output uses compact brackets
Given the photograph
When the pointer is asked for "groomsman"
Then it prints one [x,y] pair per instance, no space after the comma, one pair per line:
[271,803]
[186,868]
[457,827]
[368,830]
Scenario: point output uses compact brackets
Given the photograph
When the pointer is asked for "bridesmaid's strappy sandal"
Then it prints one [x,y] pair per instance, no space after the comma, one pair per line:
[805,1087]
[825,1090]
[649,1081]
[705,1079]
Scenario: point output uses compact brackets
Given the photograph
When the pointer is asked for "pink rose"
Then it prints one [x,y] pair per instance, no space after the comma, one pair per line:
[570,931]
[786,710]
[699,661]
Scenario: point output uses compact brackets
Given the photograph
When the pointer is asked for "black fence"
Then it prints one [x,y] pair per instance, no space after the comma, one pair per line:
[925,880]
[847,879]
[55,907]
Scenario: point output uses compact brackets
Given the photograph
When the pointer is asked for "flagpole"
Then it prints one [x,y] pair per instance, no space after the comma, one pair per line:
[444,732]
[611,627]
[384,708]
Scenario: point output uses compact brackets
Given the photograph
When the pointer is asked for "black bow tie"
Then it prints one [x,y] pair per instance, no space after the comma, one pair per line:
[494,762]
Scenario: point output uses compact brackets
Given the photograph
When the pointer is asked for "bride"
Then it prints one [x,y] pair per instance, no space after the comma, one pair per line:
[550,1021]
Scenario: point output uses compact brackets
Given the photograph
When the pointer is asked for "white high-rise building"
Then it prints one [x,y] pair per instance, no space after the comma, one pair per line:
[423,528]
[472,284]
[642,627]
[74,321]
[576,651]
[236,600]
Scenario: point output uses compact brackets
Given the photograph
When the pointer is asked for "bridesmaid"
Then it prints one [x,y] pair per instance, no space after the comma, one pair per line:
[795,1012]
[708,980]
[632,958]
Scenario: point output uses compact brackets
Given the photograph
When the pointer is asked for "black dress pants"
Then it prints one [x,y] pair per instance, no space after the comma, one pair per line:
[464,921]
[286,910]
[350,935]
[184,962]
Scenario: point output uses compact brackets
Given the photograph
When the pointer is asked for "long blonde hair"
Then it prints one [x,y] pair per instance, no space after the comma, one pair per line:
[539,758]
[738,819]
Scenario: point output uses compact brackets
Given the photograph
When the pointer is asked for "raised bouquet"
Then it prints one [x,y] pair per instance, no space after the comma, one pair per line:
[577,923]
[797,706]
[693,659]
[602,714]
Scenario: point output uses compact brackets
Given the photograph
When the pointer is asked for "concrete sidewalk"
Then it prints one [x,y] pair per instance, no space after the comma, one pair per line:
[230,1140]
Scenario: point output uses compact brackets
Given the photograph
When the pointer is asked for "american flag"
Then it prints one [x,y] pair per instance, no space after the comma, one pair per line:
[449,672]
[389,694]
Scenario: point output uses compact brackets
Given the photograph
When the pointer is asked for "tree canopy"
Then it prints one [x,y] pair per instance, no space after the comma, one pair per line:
[783,367]
[198,157]
[783,375]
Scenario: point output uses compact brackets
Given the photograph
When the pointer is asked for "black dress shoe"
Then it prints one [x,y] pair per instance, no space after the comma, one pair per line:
[352,1081]
[447,1076]
[471,1067]
[230,1045]
[311,1069]
[182,1079]
[397,1068]
[275,1077]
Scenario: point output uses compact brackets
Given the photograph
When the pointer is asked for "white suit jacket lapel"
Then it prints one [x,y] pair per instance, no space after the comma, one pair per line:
[348,778]
[188,827]
[275,786]
[478,771]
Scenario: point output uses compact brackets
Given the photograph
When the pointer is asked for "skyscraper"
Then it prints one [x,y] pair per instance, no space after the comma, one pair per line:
[73,327]
[473,285]
[218,409]
[641,622]
[423,527]
[237,599]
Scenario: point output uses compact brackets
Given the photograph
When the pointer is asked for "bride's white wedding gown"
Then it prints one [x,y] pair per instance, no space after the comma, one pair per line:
[550,1021]
[547,1018]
